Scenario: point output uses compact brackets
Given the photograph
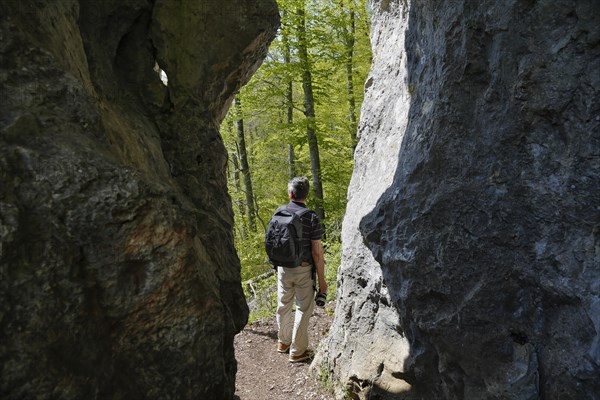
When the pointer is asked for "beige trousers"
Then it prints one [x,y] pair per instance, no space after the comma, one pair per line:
[293,329]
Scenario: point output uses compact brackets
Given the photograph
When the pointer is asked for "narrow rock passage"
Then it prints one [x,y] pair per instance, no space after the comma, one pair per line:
[265,374]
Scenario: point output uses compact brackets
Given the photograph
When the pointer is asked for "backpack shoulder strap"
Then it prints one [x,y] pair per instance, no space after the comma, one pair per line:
[299,213]
[280,209]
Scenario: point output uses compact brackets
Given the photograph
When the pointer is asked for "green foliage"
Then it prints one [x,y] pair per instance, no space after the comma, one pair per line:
[253,258]
[333,258]
[325,378]
[268,131]
[262,297]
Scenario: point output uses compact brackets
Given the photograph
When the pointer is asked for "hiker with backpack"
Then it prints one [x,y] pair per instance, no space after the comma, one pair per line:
[293,244]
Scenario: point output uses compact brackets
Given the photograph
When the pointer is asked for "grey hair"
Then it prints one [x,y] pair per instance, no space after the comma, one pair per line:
[299,187]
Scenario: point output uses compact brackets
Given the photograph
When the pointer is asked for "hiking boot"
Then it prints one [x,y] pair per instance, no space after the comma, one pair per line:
[301,357]
[283,348]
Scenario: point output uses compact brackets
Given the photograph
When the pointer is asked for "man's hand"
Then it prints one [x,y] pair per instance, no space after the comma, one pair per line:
[319,259]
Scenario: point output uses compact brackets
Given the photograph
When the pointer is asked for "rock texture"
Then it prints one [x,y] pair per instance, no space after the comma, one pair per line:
[471,259]
[118,275]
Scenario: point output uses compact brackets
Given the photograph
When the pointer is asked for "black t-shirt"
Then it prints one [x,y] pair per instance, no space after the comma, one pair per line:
[311,228]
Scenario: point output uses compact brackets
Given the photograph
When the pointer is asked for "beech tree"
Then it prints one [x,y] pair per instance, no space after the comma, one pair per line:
[245,168]
[309,112]
[289,94]
[349,33]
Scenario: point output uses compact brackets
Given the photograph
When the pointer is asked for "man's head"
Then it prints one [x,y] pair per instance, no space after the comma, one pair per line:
[298,188]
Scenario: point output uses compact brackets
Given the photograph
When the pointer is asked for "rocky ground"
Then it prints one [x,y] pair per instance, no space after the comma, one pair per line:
[265,374]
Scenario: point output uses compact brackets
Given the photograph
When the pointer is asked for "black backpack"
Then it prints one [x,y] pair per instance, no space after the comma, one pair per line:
[283,238]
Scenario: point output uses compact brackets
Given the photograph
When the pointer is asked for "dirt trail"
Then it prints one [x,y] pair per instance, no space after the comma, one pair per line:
[265,374]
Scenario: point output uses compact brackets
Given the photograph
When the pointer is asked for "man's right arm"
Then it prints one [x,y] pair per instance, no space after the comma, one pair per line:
[319,259]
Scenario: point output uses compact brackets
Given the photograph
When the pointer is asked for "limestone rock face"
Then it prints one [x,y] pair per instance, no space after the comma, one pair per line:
[118,275]
[471,259]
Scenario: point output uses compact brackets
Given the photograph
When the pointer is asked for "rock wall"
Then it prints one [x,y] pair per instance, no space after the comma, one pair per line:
[471,258]
[118,275]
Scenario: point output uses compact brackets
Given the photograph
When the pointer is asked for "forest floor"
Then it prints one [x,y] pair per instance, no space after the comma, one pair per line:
[265,374]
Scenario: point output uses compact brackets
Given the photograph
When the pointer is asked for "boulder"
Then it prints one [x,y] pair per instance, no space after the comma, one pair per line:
[119,278]
[471,261]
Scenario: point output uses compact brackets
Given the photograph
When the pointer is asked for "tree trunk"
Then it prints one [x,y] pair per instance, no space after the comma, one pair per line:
[309,106]
[238,188]
[250,211]
[237,184]
[349,77]
[291,161]
[289,95]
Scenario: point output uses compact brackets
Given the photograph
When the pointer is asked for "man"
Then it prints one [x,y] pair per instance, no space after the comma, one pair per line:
[297,283]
